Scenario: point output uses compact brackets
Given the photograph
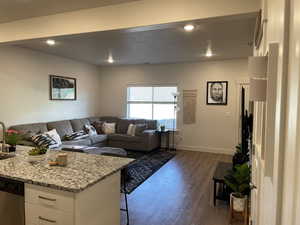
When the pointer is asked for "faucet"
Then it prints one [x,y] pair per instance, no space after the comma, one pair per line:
[3,136]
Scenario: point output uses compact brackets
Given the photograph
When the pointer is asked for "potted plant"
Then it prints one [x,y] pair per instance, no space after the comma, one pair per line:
[12,138]
[241,156]
[38,153]
[239,181]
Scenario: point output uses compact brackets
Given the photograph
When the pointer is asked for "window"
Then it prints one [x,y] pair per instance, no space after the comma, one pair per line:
[152,102]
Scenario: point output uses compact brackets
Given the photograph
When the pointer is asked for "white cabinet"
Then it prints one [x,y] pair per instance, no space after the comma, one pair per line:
[96,205]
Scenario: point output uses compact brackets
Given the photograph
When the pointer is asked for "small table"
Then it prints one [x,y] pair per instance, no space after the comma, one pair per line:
[165,133]
[218,178]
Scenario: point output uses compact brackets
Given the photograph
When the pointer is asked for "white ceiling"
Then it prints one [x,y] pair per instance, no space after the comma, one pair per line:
[229,38]
[11,10]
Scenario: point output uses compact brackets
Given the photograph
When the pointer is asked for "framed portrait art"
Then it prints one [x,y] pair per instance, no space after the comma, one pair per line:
[217,93]
[62,88]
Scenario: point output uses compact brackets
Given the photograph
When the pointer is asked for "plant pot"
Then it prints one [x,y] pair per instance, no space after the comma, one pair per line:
[36,158]
[238,204]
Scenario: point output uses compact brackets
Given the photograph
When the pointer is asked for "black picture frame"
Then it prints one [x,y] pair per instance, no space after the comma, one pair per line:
[60,83]
[223,99]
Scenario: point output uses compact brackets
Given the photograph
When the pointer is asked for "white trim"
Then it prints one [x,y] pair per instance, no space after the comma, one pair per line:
[206,149]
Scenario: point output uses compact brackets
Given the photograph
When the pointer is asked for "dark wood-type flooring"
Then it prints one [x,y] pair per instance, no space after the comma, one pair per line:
[180,193]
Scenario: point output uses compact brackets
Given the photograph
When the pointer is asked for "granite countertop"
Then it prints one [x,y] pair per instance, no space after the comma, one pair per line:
[82,171]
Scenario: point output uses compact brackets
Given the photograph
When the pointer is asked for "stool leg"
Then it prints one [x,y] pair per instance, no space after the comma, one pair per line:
[124,172]
[127,210]
[215,192]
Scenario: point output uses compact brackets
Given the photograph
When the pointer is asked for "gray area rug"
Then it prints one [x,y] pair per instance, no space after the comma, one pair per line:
[144,166]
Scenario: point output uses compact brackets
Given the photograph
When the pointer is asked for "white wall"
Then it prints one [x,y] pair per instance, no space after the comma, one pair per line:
[216,126]
[269,192]
[24,87]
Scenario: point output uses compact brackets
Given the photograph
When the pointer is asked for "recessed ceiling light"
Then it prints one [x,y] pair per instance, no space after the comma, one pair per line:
[208,53]
[189,27]
[110,60]
[50,42]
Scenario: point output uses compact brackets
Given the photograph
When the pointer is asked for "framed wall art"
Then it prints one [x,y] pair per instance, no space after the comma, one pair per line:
[217,93]
[63,88]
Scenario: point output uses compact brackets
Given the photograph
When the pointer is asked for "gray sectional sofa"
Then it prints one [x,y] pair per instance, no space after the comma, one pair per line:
[147,141]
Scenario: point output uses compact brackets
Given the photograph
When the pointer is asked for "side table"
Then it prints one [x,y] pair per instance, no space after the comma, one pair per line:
[219,183]
[166,134]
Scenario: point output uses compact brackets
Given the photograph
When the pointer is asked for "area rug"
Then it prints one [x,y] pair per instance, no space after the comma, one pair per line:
[144,166]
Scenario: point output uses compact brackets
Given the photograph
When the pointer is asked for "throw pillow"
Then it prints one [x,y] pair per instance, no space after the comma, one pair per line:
[76,136]
[98,126]
[44,140]
[90,130]
[139,129]
[109,128]
[131,130]
[54,135]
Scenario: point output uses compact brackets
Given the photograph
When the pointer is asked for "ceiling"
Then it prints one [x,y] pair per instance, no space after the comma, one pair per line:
[227,37]
[11,10]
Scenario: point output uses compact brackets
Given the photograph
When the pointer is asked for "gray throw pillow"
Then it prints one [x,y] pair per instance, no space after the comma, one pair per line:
[139,129]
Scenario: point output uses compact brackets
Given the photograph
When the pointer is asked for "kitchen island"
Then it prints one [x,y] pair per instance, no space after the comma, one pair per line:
[85,192]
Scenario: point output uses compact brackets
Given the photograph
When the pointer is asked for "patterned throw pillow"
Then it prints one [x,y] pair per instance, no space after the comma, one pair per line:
[90,130]
[54,135]
[44,140]
[98,126]
[109,128]
[76,136]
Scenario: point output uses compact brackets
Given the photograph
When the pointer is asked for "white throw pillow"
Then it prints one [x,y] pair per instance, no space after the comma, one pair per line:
[109,128]
[131,130]
[55,136]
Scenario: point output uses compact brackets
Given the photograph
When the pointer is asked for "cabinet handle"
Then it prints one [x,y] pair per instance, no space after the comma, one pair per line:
[48,199]
[47,220]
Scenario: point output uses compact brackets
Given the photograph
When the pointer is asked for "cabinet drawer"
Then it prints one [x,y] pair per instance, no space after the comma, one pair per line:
[49,198]
[37,215]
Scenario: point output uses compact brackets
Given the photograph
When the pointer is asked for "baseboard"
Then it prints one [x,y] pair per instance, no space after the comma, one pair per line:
[206,149]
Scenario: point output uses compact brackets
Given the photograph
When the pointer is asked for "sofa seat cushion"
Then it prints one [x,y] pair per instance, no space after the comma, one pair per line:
[78,124]
[63,128]
[95,139]
[84,142]
[124,138]
[30,130]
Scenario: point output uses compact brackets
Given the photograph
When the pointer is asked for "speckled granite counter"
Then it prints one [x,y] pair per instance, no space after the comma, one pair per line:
[82,171]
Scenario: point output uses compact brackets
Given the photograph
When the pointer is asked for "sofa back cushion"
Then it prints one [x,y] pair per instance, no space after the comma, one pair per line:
[30,130]
[123,125]
[93,119]
[78,124]
[63,127]
[110,119]
[151,124]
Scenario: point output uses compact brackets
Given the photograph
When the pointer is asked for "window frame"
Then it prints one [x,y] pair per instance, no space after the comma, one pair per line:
[152,102]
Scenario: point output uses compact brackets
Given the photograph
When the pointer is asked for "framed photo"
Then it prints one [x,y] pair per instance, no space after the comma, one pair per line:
[217,92]
[62,88]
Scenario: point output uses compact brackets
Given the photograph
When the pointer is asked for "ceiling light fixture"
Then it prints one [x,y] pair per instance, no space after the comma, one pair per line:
[110,59]
[189,27]
[50,42]
[208,53]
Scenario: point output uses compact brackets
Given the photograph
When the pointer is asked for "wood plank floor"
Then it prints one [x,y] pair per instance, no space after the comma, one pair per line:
[180,193]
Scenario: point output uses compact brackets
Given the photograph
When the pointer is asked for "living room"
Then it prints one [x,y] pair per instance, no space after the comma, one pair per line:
[161,65]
